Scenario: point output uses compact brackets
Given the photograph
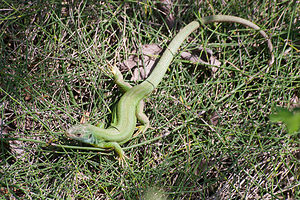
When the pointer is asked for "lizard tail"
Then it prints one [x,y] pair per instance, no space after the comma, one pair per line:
[168,55]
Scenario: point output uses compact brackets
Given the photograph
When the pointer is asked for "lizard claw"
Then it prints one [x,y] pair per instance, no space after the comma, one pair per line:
[141,129]
[114,70]
[122,161]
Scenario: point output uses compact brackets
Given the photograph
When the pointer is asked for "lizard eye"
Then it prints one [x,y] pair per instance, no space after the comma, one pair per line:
[78,134]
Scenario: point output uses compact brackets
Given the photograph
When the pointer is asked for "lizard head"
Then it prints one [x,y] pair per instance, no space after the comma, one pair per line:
[82,133]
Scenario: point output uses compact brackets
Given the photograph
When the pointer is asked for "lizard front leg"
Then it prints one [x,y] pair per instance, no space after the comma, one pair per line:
[117,148]
[119,80]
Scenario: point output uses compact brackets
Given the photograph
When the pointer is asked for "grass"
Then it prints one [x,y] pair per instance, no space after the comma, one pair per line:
[220,143]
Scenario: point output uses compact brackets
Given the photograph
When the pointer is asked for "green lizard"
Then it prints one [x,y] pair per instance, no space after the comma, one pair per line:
[130,107]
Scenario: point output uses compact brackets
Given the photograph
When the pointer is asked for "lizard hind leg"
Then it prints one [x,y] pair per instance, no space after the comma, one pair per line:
[142,118]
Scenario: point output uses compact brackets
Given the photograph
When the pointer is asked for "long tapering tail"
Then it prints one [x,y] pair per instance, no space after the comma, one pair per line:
[168,55]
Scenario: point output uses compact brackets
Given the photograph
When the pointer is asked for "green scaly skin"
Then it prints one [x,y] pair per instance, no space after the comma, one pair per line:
[130,106]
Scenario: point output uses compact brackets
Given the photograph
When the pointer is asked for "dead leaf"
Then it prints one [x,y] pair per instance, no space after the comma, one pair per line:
[215,62]
[165,7]
[143,62]
[193,58]
[214,118]
[27,95]
[85,117]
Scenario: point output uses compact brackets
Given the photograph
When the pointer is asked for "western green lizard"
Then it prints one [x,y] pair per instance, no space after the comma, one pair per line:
[130,107]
